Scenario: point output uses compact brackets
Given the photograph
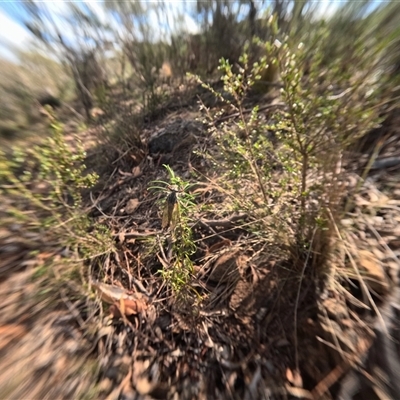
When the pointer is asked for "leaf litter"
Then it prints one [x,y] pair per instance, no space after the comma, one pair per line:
[238,342]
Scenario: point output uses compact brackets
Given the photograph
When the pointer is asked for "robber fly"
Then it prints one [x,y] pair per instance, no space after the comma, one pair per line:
[171,209]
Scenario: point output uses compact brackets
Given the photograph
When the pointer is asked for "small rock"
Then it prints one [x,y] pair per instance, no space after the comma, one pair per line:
[163,143]
[174,136]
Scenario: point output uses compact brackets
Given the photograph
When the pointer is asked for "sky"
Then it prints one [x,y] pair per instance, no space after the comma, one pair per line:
[12,16]
[13,34]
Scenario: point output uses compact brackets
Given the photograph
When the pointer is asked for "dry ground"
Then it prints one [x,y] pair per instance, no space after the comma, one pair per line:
[256,324]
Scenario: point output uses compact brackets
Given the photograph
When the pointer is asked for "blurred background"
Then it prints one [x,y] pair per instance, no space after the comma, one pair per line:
[73,52]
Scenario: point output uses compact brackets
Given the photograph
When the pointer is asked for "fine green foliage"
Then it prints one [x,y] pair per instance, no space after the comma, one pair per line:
[296,154]
[179,234]
[45,183]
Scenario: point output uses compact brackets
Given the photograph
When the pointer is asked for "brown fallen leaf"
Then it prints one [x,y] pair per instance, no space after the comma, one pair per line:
[137,171]
[128,307]
[11,332]
[219,245]
[121,237]
[124,173]
[122,302]
[294,377]
[111,293]
[138,157]
[300,393]
[132,206]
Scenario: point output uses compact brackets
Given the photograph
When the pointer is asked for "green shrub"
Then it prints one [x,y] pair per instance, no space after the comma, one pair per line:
[177,209]
[296,156]
[45,183]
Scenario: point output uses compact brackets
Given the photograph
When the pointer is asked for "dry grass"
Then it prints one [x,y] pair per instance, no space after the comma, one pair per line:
[257,321]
